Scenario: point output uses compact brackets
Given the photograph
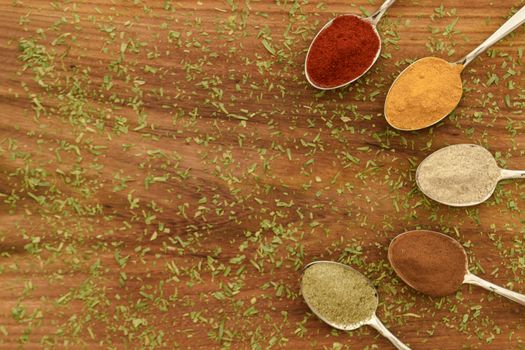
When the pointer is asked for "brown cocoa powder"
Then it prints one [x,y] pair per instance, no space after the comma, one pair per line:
[429,262]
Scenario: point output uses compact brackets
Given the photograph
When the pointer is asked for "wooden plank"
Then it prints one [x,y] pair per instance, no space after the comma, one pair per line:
[163,184]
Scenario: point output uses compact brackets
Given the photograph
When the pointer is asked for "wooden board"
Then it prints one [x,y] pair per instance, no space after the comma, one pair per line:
[166,171]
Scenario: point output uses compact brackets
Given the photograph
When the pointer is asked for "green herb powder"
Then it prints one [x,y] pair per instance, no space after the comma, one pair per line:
[340,295]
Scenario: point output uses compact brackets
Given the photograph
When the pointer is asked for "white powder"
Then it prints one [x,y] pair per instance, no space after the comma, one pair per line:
[458,174]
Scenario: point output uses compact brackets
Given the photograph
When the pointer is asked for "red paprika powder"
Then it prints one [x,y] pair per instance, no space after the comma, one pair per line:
[342,51]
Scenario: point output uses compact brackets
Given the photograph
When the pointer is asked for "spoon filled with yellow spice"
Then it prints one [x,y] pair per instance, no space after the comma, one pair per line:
[430,88]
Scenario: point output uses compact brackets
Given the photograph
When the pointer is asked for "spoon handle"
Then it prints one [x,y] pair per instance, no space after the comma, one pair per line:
[380,327]
[376,16]
[513,23]
[475,280]
[512,174]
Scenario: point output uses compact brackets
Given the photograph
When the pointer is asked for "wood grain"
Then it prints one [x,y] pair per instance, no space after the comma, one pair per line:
[243,173]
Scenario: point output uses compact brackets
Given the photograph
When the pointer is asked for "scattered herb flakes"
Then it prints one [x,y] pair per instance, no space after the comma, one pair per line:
[167,172]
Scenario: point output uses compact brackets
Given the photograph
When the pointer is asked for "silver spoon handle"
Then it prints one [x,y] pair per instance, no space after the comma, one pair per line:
[512,174]
[380,327]
[475,280]
[514,22]
[376,16]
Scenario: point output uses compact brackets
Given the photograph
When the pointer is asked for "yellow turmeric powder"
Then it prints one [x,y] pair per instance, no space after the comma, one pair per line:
[426,92]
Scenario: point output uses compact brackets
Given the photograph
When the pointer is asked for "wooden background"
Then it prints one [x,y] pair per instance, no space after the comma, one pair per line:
[165,171]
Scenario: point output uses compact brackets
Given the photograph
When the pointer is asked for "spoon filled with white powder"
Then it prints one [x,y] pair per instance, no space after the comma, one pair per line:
[461,175]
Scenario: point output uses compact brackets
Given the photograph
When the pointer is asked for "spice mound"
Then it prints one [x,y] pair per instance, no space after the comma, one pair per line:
[458,175]
[429,262]
[426,92]
[342,52]
[339,295]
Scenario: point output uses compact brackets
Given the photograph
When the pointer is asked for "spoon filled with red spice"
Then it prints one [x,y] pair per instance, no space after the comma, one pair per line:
[437,265]
[344,50]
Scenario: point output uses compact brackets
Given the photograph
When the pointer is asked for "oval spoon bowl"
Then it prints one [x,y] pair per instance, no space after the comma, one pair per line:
[489,193]
[388,96]
[408,233]
[348,327]
[328,24]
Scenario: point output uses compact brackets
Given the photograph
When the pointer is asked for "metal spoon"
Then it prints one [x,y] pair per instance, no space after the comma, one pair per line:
[504,175]
[469,278]
[373,20]
[373,321]
[514,22]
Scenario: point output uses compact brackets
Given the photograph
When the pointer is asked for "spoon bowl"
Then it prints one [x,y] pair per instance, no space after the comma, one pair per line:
[372,321]
[340,326]
[452,70]
[502,174]
[450,270]
[327,25]
[453,244]
[372,20]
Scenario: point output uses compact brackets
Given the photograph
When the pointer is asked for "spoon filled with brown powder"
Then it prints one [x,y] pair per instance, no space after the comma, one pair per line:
[461,175]
[343,298]
[430,88]
[435,264]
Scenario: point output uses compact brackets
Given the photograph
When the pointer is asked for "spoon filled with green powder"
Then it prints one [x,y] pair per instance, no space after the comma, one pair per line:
[343,298]
[461,175]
